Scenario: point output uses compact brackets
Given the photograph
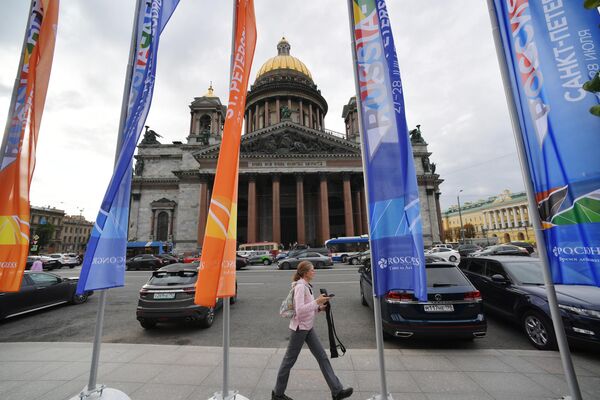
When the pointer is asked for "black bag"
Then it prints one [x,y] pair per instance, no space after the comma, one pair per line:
[334,340]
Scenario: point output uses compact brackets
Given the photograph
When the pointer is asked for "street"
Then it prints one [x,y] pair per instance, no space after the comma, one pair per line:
[255,320]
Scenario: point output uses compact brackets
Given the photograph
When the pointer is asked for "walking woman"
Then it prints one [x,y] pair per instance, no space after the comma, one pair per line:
[306,308]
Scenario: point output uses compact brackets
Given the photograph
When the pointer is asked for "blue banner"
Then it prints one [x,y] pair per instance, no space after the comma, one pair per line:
[551,49]
[104,261]
[397,258]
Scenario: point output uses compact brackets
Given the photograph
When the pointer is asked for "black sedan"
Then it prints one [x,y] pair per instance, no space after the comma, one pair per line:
[40,290]
[514,287]
[453,307]
[502,250]
[169,297]
[317,259]
[145,261]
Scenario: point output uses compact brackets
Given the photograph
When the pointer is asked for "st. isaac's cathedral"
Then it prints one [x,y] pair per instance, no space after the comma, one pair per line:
[298,182]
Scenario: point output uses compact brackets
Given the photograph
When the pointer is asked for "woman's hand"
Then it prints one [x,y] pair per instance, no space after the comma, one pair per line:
[322,299]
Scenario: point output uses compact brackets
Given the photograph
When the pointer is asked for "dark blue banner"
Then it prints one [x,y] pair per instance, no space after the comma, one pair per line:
[396,237]
[552,48]
[104,261]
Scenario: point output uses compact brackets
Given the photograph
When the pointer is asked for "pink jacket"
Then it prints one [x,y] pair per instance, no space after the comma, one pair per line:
[306,307]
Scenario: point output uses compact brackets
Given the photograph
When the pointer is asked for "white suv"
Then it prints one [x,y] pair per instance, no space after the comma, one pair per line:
[65,260]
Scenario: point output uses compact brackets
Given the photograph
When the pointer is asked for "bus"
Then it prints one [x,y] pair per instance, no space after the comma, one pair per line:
[341,248]
[137,248]
[260,248]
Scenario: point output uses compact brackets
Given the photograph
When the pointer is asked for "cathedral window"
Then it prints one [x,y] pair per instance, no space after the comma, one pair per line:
[162,226]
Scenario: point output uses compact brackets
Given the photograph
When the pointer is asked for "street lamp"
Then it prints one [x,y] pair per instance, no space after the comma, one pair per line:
[462,231]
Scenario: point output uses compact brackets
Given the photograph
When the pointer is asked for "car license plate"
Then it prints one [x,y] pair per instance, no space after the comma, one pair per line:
[438,308]
[163,296]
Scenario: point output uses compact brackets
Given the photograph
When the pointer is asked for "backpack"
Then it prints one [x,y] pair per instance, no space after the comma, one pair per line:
[287,310]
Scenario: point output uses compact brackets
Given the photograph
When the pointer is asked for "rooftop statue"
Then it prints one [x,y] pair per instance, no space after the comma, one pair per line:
[286,113]
[150,136]
[415,135]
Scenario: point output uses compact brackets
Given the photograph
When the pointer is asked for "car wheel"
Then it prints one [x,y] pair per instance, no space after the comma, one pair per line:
[79,299]
[539,331]
[148,323]
[71,266]
[285,266]
[344,259]
[318,265]
[363,301]
[354,261]
[452,258]
[267,262]
[207,321]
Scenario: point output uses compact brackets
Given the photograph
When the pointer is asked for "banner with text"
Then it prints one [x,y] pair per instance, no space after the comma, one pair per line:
[104,261]
[395,233]
[216,274]
[17,154]
[552,48]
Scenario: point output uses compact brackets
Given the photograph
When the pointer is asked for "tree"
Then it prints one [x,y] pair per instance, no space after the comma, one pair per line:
[469,231]
[45,233]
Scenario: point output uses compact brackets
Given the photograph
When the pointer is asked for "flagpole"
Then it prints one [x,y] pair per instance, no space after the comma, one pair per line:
[225,393]
[563,346]
[92,388]
[384,395]
[13,99]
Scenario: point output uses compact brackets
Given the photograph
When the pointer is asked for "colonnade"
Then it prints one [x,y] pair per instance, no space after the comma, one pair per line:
[506,217]
[258,116]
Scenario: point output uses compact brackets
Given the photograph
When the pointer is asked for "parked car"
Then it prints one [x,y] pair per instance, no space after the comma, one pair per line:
[240,262]
[465,249]
[501,250]
[445,245]
[445,253]
[47,262]
[145,261]
[527,246]
[453,307]
[169,296]
[40,290]
[265,259]
[65,260]
[317,259]
[281,256]
[168,258]
[513,287]
[355,258]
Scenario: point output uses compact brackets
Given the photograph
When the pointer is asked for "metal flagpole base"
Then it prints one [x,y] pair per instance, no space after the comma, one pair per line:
[378,397]
[233,395]
[101,392]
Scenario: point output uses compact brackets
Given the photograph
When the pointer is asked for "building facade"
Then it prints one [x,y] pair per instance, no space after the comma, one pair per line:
[298,182]
[505,217]
[45,224]
[75,233]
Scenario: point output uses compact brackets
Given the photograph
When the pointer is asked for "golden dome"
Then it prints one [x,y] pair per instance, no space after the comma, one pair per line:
[283,60]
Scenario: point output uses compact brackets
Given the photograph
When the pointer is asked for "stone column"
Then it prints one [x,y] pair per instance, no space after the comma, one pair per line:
[494,219]
[249,121]
[359,226]
[310,123]
[301,113]
[267,113]
[301,230]
[277,111]
[348,206]
[256,120]
[501,211]
[363,205]
[276,209]
[324,205]
[252,209]
[202,210]
[485,225]
[318,119]
[522,212]
[515,221]
[290,103]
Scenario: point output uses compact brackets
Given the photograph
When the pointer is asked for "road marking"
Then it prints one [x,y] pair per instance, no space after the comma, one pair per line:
[250,283]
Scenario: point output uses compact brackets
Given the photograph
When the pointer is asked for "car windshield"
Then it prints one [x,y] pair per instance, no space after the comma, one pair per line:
[163,278]
[445,276]
[528,273]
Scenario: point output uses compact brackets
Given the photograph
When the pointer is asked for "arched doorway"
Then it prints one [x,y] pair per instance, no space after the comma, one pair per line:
[521,236]
[506,238]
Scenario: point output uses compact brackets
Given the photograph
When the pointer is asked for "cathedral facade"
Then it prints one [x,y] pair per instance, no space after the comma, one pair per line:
[298,182]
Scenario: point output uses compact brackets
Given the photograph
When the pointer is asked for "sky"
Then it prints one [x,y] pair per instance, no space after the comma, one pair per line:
[451,80]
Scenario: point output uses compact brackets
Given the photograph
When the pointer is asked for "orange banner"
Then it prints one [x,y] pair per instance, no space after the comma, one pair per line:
[17,154]
[216,273]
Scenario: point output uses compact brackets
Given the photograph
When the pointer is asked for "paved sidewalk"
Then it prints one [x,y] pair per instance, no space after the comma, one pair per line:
[57,371]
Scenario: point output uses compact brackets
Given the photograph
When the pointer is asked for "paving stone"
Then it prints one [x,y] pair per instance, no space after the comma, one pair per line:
[445,382]
[508,384]
[479,363]
[153,391]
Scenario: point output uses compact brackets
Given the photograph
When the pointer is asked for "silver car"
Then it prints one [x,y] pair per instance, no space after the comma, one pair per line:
[317,259]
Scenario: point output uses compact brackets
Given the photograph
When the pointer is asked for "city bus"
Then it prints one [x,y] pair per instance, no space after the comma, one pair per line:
[260,248]
[137,248]
[341,248]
